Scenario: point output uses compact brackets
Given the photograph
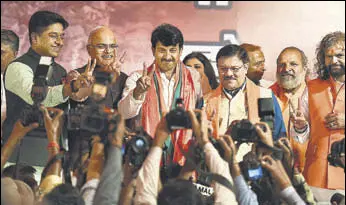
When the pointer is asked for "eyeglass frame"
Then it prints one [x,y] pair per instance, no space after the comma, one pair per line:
[107,46]
[233,69]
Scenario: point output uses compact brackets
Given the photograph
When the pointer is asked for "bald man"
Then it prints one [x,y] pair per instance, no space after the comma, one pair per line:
[102,47]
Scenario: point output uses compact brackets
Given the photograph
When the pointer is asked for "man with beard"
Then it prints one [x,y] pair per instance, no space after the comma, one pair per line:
[289,88]
[237,97]
[326,107]
[256,65]
[152,92]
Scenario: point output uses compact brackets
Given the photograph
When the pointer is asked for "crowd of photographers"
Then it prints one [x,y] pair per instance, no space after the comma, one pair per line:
[156,136]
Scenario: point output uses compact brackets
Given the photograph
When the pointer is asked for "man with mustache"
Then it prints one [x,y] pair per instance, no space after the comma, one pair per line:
[326,107]
[236,98]
[46,36]
[292,65]
[103,50]
[152,92]
[256,65]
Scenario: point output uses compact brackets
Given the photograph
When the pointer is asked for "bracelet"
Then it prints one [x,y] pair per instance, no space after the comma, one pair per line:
[53,144]
[74,90]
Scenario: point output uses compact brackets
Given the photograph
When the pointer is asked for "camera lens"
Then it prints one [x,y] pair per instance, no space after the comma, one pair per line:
[139,143]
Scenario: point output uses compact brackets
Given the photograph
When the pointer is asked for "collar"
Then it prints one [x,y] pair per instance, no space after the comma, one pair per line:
[35,55]
[234,92]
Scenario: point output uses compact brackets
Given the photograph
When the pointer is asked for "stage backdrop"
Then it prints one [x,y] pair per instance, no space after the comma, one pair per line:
[206,26]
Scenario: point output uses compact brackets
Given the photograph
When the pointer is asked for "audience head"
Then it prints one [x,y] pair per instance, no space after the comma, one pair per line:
[26,174]
[331,56]
[64,194]
[292,65]
[15,192]
[256,62]
[9,48]
[167,45]
[179,192]
[201,63]
[46,33]
[102,46]
[337,199]
[232,63]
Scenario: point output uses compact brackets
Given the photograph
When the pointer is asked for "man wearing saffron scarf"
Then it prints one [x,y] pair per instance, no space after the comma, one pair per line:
[326,106]
[289,88]
[236,98]
[150,93]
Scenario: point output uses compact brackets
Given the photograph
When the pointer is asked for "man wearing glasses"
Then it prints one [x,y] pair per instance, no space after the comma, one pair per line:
[236,98]
[102,49]
[46,36]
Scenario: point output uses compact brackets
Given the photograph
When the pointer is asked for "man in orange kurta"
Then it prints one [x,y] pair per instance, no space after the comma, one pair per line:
[289,89]
[326,102]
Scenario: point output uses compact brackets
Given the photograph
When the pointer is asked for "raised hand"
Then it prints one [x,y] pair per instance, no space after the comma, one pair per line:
[52,125]
[335,121]
[143,83]
[86,79]
[162,133]
[200,128]
[228,146]
[277,171]
[116,136]
[298,119]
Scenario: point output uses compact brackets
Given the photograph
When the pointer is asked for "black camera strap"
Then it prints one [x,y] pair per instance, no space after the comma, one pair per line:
[16,170]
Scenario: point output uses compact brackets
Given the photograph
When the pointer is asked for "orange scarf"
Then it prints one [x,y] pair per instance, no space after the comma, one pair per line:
[154,106]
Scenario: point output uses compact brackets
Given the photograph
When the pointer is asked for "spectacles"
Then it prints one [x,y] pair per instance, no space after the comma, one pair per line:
[102,47]
[233,69]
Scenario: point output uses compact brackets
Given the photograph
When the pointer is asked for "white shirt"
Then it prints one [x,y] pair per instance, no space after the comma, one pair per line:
[19,80]
[129,107]
[265,83]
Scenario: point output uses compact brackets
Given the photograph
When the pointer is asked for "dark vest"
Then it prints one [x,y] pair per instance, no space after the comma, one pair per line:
[15,104]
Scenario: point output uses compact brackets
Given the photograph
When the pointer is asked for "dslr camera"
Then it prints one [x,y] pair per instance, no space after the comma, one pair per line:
[178,118]
[92,115]
[338,148]
[32,113]
[137,148]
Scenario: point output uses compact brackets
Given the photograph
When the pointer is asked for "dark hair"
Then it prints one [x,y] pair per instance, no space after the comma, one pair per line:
[328,41]
[9,37]
[26,173]
[337,197]
[302,54]
[64,194]
[179,192]
[168,35]
[208,68]
[42,19]
[233,50]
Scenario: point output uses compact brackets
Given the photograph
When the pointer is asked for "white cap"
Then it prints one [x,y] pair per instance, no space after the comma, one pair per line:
[45,60]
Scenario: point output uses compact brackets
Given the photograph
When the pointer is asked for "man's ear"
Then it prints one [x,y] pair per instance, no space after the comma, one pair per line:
[15,53]
[246,66]
[153,50]
[88,47]
[33,37]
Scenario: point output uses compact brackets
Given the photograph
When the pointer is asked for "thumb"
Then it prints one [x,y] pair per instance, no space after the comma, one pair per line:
[31,127]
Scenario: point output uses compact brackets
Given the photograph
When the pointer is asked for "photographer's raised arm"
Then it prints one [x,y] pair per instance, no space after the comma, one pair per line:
[108,190]
[281,179]
[18,132]
[213,160]
[243,193]
[53,129]
[149,175]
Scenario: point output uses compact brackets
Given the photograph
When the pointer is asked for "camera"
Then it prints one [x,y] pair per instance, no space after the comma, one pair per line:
[92,116]
[32,113]
[178,118]
[337,149]
[243,131]
[137,148]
